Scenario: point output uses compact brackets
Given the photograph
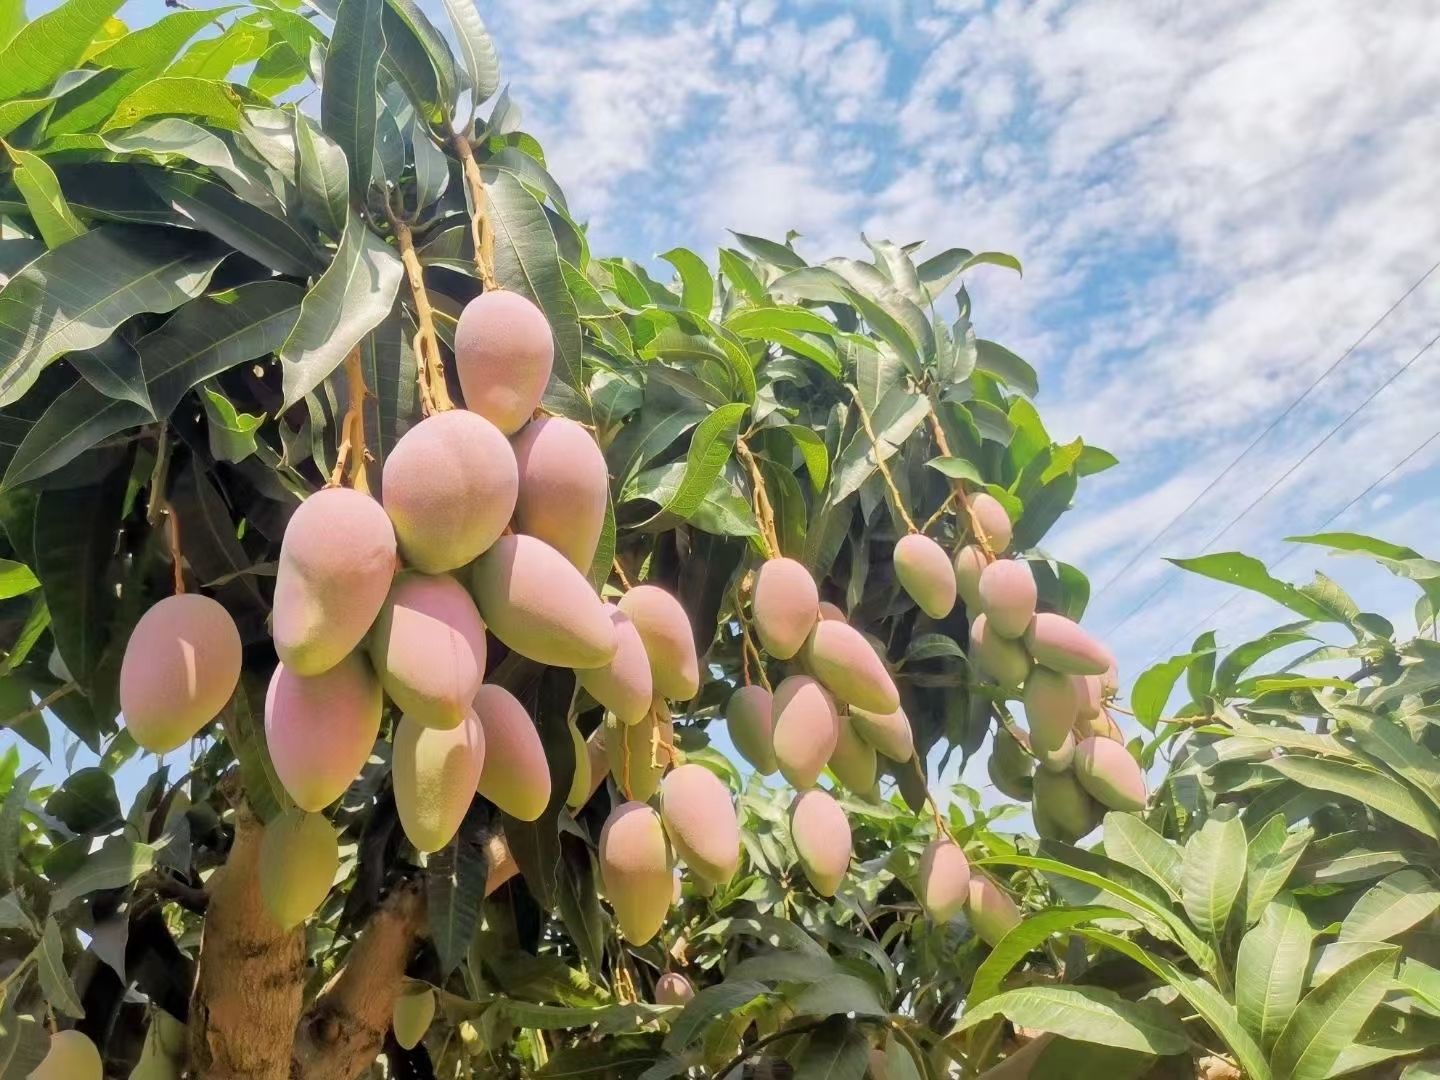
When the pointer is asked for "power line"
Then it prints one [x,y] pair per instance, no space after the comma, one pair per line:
[1335,430]
[1271,427]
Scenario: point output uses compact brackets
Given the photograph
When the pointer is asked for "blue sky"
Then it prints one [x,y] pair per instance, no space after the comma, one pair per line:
[1212,202]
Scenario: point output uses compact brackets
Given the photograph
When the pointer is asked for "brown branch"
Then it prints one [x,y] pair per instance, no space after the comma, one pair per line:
[40,706]
[352,451]
[880,463]
[943,445]
[430,368]
[764,511]
[482,232]
[620,573]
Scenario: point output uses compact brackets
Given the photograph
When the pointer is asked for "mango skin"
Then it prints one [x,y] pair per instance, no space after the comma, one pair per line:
[701,823]
[943,880]
[669,640]
[72,1056]
[635,867]
[1062,808]
[504,354]
[750,720]
[413,1013]
[1061,645]
[321,729]
[1089,696]
[1010,767]
[926,574]
[890,733]
[992,913]
[336,562]
[840,657]
[299,856]
[853,761]
[786,606]
[969,564]
[625,685]
[1061,758]
[515,775]
[807,730]
[830,611]
[181,666]
[1007,596]
[672,988]
[821,834]
[1001,659]
[635,760]
[535,602]
[564,487]
[994,521]
[1050,707]
[428,647]
[450,488]
[435,772]
[1110,774]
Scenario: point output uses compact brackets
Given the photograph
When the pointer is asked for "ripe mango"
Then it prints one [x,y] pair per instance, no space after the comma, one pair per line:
[1007,596]
[1061,645]
[853,760]
[299,855]
[435,772]
[564,487]
[322,728]
[450,488]
[414,1010]
[700,820]
[534,601]
[992,913]
[72,1056]
[1089,696]
[181,665]
[993,519]
[515,775]
[830,611]
[672,988]
[428,648]
[1110,774]
[1050,708]
[1062,810]
[926,574]
[750,719]
[887,732]
[336,562]
[624,685]
[807,729]
[1060,759]
[840,657]
[943,880]
[1001,659]
[786,605]
[638,753]
[1011,767]
[669,641]
[969,564]
[504,352]
[635,866]
[821,834]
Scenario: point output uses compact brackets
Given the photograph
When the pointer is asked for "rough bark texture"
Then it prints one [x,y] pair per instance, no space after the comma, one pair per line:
[251,973]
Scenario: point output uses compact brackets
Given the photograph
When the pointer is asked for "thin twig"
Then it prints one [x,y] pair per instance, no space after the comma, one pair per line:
[754,1048]
[40,706]
[764,511]
[352,452]
[880,463]
[172,538]
[430,368]
[759,663]
[934,806]
[620,573]
[957,486]
[482,233]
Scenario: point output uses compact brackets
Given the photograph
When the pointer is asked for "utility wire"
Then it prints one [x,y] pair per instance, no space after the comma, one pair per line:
[1271,427]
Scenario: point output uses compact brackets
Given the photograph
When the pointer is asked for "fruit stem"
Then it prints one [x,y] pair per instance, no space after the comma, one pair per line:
[352,450]
[957,486]
[482,233]
[880,463]
[430,368]
[159,505]
[763,510]
[620,573]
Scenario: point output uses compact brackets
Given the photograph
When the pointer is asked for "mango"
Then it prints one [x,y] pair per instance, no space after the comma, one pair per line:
[969,564]
[1001,659]
[926,574]
[1007,596]
[700,820]
[638,753]
[786,606]
[72,1056]
[807,730]
[943,880]
[887,732]
[853,761]
[992,913]
[156,1062]
[428,648]
[515,775]
[840,657]
[821,834]
[1011,767]
[624,685]
[321,729]
[435,772]
[539,605]
[504,353]
[1110,774]
[299,856]
[564,488]
[181,666]
[635,867]
[669,640]
[1050,708]
[1062,809]
[1110,682]
[1089,697]
[672,988]
[830,611]
[1060,644]
[451,483]
[412,1015]
[994,521]
[336,562]
[1060,759]
[750,720]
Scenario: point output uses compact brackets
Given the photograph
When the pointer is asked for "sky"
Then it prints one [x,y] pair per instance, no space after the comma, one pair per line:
[1212,202]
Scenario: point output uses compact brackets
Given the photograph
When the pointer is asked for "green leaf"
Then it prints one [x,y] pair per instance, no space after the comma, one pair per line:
[1023,939]
[1088,1014]
[51,44]
[348,103]
[242,42]
[1332,1016]
[244,728]
[482,65]
[1368,787]
[86,802]
[214,208]
[323,177]
[52,215]
[710,448]
[16,579]
[737,271]
[118,863]
[1270,969]
[232,434]
[782,256]
[1233,568]
[75,421]
[697,285]
[10,824]
[1200,678]
[49,957]
[217,102]
[420,60]
[814,451]
[1243,657]
[1213,872]
[1000,362]
[348,301]
[937,272]
[895,419]
[1153,688]
[1128,840]
[23,1042]
[838,1050]
[957,468]
[1390,743]
[455,888]
[1273,852]
[839,993]
[993,258]
[709,1003]
[1391,907]
[58,304]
